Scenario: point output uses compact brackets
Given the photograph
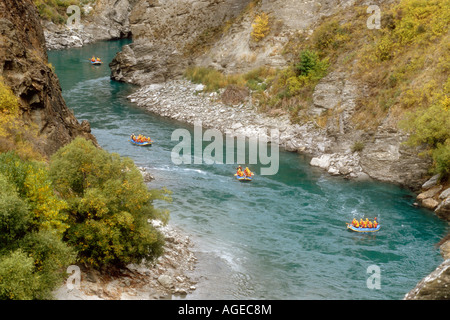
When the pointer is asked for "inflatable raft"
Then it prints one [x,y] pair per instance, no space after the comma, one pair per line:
[96,63]
[243,178]
[353,228]
[141,144]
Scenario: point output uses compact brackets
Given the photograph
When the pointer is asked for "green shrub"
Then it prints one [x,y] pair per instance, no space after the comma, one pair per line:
[18,281]
[51,256]
[330,36]
[308,62]
[14,169]
[31,249]
[431,126]
[441,157]
[108,205]
[428,125]
[34,186]
[213,79]
[310,65]
[358,146]
[15,218]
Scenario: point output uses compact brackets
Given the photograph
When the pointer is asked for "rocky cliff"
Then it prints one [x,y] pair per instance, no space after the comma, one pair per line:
[101,20]
[165,33]
[24,68]
[170,36]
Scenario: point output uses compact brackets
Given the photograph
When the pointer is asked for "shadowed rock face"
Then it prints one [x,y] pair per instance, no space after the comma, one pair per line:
[24,67]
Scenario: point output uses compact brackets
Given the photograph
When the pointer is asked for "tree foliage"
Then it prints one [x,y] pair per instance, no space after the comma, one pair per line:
[310,65]
[32,182]
[431,126]
[14,214]
[86,205]
[260,27]
[32,252]
[14,133]
[108,205]
[18,281]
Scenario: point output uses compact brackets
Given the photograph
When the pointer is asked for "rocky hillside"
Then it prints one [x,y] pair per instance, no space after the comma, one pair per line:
[25,69]
[99,20]
[212,33]
[343,104]
[165,33]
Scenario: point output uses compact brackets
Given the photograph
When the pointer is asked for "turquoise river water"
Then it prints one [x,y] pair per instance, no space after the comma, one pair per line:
[278,237]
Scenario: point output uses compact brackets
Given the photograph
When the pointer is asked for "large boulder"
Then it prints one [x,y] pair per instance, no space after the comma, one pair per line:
[443,210]
[431,182]
[435,286]
[429,193]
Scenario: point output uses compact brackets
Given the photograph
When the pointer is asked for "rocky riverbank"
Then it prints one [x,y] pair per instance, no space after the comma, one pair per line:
[383,155]
[161,279]
[156,280]
[383,151]
[435,286]
[435,195]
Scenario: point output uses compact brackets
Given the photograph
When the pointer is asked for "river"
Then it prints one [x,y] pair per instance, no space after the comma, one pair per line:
[278,237]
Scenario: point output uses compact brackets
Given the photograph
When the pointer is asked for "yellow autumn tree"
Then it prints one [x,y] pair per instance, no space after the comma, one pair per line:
[8,108]
[260,27]
[33,255]
[13,130]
